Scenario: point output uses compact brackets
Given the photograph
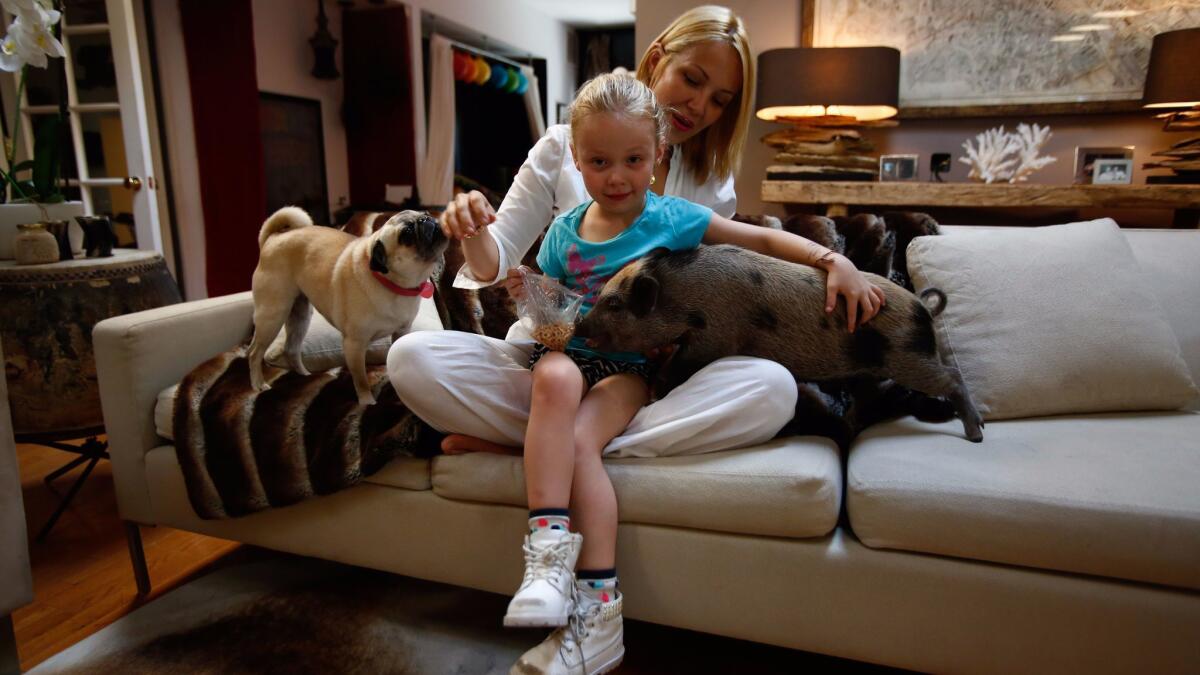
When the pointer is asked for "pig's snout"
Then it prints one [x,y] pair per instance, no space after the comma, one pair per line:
[585,330]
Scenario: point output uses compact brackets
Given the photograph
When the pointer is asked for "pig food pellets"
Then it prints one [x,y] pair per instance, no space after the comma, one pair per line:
[555,336]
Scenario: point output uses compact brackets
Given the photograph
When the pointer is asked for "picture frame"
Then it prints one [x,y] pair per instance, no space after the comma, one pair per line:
[967,59]
[562,112]
[1086,157]
[1113,172]
[899,168]
[293,140]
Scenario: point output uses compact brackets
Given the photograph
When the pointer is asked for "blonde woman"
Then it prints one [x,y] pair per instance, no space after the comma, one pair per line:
[478,389]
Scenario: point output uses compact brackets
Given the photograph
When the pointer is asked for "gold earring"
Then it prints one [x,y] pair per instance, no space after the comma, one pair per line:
[652,179]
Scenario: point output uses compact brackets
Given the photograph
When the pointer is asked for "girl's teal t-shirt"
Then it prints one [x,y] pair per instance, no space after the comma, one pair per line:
[585,266]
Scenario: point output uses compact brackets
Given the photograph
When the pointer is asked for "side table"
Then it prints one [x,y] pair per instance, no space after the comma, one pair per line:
[47,313]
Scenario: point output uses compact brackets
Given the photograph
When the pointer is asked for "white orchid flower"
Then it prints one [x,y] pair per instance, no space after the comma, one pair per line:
[34,41]
[20,7]
[10,59]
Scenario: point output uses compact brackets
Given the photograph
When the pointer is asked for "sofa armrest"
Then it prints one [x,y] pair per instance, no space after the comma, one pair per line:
[137,356]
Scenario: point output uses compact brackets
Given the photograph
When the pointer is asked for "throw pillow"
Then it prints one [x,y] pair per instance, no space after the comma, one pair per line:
[1052,320]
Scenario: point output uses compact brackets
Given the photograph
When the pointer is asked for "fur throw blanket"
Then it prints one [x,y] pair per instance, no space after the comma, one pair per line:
[243,451]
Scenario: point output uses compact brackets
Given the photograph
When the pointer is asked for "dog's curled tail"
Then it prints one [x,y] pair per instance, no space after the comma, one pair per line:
[284,220]
[937,308]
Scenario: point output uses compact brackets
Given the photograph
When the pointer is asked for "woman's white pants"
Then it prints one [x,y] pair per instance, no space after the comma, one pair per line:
[479,386]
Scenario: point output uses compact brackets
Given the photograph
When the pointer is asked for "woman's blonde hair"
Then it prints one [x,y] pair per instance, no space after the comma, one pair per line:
[621,95]
[718,149]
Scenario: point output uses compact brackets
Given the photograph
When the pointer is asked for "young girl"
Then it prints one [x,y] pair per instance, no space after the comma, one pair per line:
[581,398]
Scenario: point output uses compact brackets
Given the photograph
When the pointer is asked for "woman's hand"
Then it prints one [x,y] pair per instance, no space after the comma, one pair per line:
[514,283]
[466,215]
[863,298]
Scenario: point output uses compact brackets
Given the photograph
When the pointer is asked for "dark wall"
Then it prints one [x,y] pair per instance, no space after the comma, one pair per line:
[603,50]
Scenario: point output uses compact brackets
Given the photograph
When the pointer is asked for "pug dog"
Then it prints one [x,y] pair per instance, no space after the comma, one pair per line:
[368,287]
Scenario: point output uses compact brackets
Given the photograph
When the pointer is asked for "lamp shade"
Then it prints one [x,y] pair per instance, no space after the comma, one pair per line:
[859,82]
[1173,79]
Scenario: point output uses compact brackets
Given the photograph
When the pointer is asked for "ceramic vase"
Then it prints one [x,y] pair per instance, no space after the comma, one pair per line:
[34,245]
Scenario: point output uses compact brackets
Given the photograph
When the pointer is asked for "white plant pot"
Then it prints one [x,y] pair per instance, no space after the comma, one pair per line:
[12,215]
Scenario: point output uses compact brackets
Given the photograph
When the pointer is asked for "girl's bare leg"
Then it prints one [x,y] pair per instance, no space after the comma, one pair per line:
[603,414]
[558,387]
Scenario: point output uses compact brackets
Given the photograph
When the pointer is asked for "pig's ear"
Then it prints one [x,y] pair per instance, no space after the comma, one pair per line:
[643,295]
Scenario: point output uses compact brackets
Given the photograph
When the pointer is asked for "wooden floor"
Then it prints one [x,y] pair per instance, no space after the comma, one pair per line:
[82,577]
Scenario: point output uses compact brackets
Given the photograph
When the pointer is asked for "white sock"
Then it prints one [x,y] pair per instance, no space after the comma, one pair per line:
[597,585]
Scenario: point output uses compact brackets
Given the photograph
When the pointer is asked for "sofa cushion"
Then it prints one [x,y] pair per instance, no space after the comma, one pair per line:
[1169,258]
[788,487]
[322,346]
[1052,320]
[1115,495]
[408,473]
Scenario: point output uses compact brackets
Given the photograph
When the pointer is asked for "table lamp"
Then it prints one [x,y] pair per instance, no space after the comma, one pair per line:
[822,94]
[1173,84]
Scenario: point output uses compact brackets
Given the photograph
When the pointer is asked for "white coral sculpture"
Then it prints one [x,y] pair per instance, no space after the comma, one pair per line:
[1004,156]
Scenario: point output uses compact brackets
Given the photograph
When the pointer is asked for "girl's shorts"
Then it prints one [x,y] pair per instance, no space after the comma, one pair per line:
[594,368]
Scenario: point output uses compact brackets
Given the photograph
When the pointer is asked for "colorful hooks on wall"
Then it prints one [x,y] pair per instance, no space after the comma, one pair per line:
[473,69]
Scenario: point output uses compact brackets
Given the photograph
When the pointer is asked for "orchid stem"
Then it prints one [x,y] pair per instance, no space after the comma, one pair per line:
[11,149]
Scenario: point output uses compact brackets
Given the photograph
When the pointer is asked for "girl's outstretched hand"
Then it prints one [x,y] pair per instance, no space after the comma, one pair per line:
[466,215]
[863,298]
[514,283]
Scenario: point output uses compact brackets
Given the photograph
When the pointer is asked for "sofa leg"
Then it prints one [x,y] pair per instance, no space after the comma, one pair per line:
[10,664]
[138,557]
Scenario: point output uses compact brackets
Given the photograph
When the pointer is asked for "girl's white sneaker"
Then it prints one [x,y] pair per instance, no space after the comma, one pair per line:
[547,593]
[592,643]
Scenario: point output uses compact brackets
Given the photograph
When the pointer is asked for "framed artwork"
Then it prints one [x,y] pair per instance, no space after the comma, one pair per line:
[1086,158]
[974,58]
[1113,172]
[898,168]
[293,143]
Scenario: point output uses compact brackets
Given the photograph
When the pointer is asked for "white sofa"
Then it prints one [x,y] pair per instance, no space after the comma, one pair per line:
[1059,544]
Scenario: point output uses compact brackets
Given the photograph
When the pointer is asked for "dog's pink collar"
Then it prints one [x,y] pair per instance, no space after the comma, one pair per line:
[425,290]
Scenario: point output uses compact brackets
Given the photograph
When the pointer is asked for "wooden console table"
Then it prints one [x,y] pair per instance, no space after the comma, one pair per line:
[837,196]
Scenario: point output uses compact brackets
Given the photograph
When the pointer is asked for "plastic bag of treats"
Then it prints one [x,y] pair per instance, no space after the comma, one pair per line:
[549,310]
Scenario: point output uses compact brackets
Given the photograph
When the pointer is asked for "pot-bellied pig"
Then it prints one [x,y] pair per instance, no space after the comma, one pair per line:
[718,301]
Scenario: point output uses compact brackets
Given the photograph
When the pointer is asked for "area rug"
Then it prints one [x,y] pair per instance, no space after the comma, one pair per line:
[288,614]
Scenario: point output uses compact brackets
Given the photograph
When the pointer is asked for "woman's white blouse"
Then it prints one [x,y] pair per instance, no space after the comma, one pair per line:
[549,184]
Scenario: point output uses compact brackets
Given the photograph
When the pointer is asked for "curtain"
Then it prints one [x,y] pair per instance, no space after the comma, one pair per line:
[378,111]
[229,157]
[435,176]
[533,105]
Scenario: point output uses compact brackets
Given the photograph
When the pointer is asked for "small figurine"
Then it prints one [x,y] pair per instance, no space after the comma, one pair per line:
[99,237]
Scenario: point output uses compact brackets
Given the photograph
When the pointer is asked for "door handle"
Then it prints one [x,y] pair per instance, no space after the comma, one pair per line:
[129,182]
